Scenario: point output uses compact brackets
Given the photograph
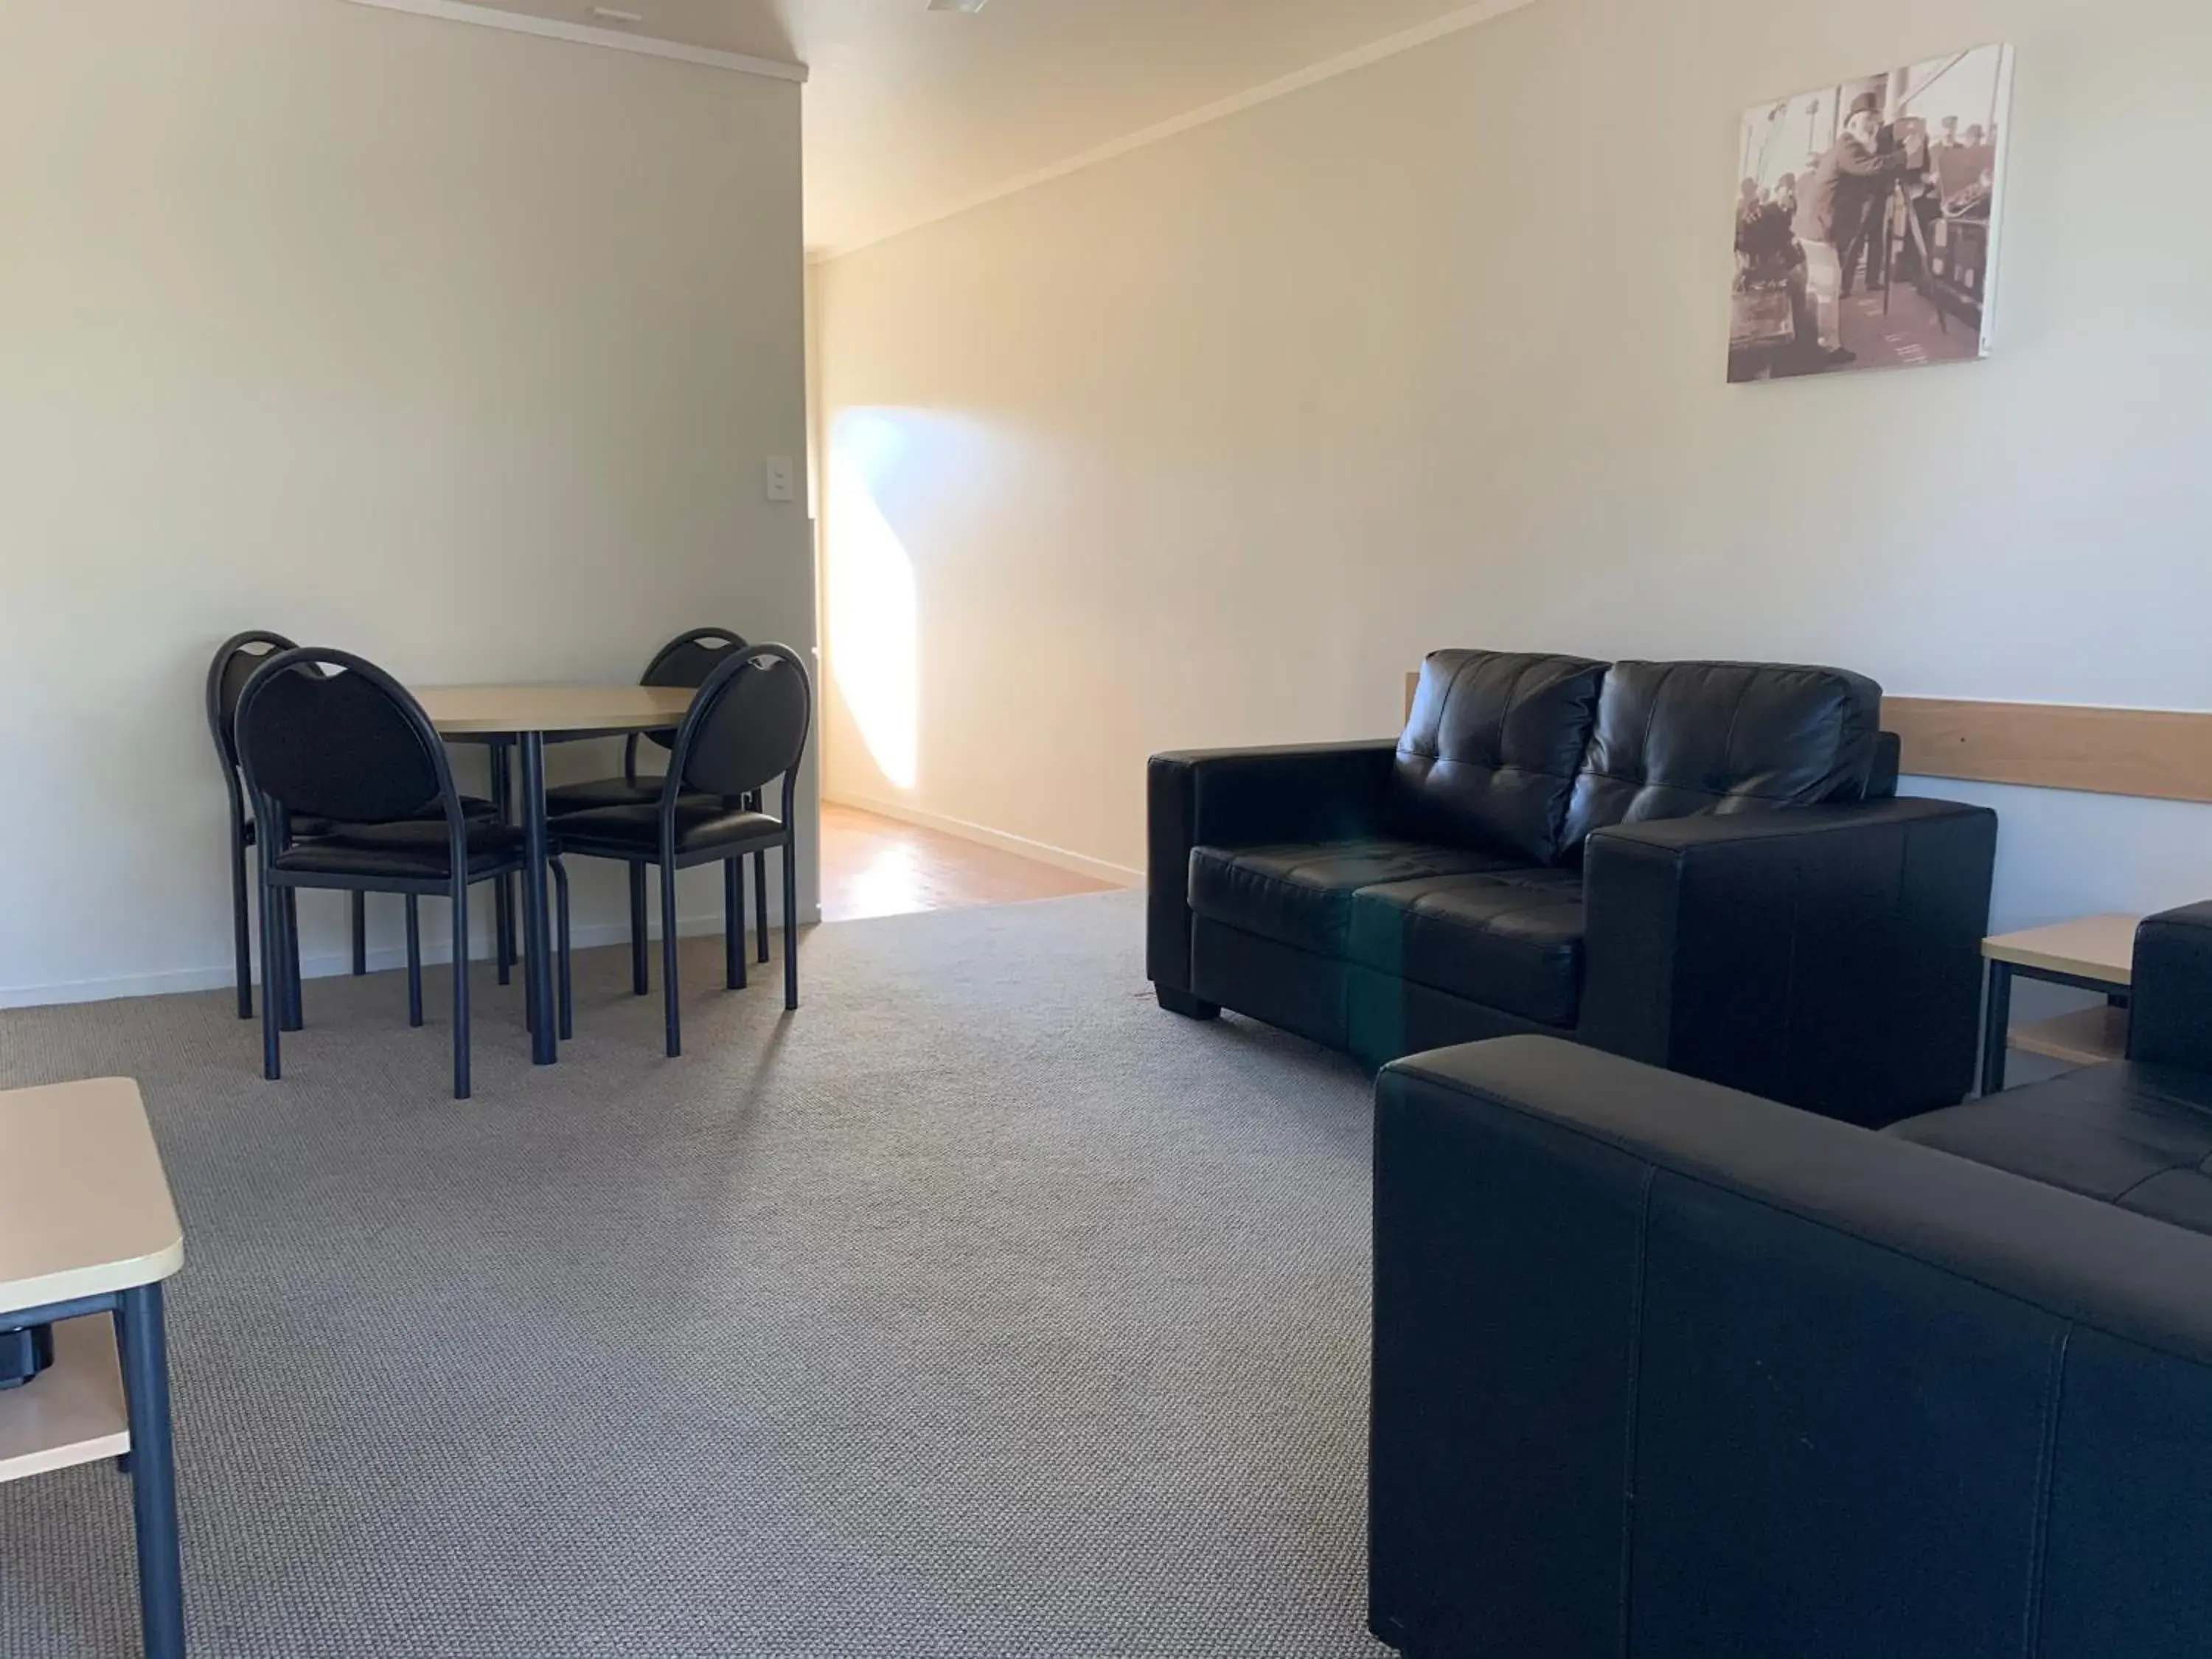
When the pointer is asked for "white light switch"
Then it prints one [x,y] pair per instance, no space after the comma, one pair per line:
[779,478]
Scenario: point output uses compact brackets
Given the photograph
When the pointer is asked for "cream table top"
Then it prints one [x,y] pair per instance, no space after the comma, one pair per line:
[2101,948]
[479,710]
[84,1205]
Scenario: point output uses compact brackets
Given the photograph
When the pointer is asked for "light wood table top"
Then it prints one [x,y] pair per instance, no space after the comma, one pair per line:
[480,710]
[2101,948]
[84,1206]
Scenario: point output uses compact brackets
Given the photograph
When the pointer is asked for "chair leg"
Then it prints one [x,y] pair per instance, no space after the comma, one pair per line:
[790,928]
[460,898]
[668,986]
[241,925]
[638,986]
[760,901]
[560,943]
[272,979]
[734,924]
[359,908]
[296,1010]
[414,960]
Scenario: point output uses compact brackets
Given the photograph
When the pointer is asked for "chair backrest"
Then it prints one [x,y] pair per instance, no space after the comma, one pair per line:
[351,745]
[747,726]
[236,662]
[686,661]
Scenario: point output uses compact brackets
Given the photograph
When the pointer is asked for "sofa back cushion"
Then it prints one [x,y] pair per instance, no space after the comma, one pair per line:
[1679,739]
[1490,752]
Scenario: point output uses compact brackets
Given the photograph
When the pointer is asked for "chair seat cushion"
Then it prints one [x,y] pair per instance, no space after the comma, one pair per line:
[2139,1137]
[703,823]
[1510,940]
[413,850]
[1301,895]
[601,791]
[305,829]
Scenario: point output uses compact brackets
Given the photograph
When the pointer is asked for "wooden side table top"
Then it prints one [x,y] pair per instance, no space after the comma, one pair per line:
[84,1205]
[2099,948]
[479,710]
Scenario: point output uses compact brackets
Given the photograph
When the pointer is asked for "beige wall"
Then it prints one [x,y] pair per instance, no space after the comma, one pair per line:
[460,348]
[1208,444]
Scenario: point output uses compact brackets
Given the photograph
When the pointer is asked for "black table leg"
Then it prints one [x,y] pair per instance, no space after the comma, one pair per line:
[511,887]
[538,975]
[145,1355]
[1997,1027]
[502,800]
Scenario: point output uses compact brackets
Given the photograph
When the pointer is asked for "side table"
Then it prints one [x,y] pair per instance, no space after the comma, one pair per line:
[2092,953]
[88,1234]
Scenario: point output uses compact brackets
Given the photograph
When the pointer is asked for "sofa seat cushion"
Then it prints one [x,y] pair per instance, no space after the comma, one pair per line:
[1301,895]
[2139,1137]
[1510,940]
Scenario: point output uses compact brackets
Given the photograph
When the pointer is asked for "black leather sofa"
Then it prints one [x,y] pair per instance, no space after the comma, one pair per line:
[1700,865]
[1666,1370]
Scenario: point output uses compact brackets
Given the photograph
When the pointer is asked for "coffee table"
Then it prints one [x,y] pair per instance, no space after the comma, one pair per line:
[88,1234]
[2092,953]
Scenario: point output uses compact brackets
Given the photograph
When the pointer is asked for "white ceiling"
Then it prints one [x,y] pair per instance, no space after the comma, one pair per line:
[911,112]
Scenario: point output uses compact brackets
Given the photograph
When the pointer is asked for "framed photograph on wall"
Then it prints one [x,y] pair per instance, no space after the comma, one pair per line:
[1866,220]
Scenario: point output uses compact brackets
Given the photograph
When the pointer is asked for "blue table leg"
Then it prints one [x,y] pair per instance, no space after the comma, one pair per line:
[145,1356]
[1996,1026]
[537,949]
[502,800]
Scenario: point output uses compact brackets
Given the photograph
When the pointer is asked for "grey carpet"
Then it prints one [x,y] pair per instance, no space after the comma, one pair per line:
[980,1309]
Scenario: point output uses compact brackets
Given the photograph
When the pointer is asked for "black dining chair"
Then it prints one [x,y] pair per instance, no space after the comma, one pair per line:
[685,661]
[747,726]
[326,735]
[235,662]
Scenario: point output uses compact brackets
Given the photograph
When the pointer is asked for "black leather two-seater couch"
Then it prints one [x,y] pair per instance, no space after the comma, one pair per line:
[1700,865]
[1664,1369]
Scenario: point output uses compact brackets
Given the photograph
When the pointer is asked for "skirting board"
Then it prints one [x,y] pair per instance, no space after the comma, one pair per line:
[333,964]
[1043,852]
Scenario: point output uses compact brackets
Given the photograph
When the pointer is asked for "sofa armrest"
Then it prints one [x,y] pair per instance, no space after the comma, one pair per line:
[2170,1016]
[1829,957]
[1247,798]
[1661,1361]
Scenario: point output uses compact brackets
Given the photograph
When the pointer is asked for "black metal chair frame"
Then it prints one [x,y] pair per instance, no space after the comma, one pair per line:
[244,830]
[729,855]
[694,636]
[277,885]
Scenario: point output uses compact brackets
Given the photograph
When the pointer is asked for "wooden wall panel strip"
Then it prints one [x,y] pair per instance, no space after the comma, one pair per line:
[2157,753]
[2160,754]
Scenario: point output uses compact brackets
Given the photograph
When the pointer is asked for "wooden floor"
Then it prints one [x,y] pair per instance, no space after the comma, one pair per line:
[878,866]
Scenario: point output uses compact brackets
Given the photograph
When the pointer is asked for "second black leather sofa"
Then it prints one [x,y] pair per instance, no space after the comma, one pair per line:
[1703,865]
[1661,1368]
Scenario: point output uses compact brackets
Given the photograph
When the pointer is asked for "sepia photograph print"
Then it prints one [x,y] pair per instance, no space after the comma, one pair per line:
[1866,220]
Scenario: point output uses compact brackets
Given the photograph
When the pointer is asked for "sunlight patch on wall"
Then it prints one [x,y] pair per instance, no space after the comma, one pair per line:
[873,619]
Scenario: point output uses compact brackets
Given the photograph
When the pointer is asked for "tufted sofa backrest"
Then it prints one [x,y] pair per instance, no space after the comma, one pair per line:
[1491,750]
[1679,739]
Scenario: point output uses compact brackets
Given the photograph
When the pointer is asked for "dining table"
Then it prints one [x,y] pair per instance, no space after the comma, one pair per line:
[526,718]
